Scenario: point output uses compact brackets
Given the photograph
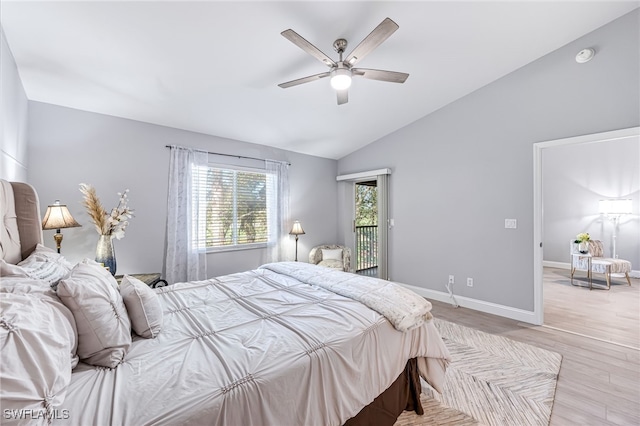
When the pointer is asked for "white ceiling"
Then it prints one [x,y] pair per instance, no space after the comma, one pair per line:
[213,67]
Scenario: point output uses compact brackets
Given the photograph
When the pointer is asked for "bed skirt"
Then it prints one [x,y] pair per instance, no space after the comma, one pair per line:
[403,394]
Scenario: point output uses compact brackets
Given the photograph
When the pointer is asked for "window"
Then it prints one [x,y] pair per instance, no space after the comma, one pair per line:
[232,207]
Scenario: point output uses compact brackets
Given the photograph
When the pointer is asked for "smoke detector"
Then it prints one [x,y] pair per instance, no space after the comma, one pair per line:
[585,55]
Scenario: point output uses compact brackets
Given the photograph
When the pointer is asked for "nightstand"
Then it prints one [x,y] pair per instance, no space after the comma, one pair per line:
[153,280]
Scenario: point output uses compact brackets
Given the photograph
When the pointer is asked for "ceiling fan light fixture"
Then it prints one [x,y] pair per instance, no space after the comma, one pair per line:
[340,78]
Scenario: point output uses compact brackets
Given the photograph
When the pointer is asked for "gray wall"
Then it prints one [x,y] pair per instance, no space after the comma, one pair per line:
[67,147]
[575,178]
[461,171]
[13,118]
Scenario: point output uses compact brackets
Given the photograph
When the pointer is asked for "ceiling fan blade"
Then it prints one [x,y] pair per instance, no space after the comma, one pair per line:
[304,80]
[373,40]
[343,96]
[390,76]
[303,44]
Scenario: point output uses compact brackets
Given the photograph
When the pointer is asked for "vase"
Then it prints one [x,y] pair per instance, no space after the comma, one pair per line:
[105,253]
[583,247]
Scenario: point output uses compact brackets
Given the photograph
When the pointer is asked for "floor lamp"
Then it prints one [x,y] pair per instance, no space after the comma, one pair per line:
[296,230]
[614,209]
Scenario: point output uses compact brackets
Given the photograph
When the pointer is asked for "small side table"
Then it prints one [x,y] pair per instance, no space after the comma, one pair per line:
[576,257]
[153,280]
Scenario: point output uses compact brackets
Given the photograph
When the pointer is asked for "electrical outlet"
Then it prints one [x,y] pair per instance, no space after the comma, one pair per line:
[510,223]
[451,280]
[469,282]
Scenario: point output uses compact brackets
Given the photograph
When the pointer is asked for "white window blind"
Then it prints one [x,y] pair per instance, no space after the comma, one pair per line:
[233,206]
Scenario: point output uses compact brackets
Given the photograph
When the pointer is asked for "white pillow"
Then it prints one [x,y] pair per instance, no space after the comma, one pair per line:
[104,328]
[10,270]
[331,254]
[46,264]
[36,340]
[143,307]
[65,322]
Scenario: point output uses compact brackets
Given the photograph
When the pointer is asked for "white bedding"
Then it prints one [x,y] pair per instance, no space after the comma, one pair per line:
[402,307]
[253,348]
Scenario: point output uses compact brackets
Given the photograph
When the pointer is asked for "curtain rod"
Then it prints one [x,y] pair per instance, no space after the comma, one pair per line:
[232,155]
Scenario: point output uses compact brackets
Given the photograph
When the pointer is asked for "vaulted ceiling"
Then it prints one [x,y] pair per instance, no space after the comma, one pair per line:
[213,67]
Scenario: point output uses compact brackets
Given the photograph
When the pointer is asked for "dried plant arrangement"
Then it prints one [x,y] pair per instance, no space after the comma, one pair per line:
[110,224]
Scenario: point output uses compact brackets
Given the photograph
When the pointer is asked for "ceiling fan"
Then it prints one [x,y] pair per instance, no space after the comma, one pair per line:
[341,71]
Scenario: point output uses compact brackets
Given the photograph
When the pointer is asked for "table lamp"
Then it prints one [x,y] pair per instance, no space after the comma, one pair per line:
[57,217]
[296,230]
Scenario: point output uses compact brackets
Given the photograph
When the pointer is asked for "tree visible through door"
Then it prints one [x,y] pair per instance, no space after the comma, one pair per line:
[366,227]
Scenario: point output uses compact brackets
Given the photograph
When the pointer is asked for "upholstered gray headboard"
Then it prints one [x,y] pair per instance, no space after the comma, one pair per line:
[21,227]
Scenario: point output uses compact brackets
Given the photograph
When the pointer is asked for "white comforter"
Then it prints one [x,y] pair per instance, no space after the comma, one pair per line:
[254,348]
[402,307]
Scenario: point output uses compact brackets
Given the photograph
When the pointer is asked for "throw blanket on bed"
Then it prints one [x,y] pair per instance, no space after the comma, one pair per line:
[401,306]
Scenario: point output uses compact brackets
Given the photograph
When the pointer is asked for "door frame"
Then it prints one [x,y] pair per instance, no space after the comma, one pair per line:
[538,231]
[352,179]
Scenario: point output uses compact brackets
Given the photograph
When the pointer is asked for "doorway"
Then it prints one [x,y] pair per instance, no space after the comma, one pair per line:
[366,228]
[373,247]
[539,207]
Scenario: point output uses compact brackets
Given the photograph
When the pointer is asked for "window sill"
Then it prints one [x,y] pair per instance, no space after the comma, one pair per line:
[236,248]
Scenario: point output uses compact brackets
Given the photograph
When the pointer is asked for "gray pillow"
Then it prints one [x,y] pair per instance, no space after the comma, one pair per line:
[143,307]
[104,328]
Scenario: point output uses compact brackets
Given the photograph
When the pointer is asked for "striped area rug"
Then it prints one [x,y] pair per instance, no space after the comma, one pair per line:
[491,381]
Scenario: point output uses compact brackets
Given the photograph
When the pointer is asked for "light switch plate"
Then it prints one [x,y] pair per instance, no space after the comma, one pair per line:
[510,223]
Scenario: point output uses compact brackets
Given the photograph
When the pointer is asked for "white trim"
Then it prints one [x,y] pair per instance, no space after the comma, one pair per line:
[538,296]
[552,264]
[477,305]
[595,137]
[360,175]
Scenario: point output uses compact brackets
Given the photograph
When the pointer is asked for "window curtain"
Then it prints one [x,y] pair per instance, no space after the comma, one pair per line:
[383,225]
[278,209]
[186,253]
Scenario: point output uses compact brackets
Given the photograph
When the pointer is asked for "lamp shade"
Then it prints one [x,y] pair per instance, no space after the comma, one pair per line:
[615,207]
[297,229]
[58,216]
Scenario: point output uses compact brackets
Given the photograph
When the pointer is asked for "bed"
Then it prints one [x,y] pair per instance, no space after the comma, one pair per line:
[285,344]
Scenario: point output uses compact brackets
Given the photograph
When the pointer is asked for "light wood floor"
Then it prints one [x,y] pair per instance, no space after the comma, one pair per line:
[611,315]
[599,382]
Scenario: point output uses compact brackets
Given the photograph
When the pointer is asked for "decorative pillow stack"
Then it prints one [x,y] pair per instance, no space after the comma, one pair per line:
[102,313]
[43,331]
[104,328]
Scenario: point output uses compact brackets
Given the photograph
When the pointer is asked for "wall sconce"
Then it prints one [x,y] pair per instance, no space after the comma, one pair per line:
[57,217]
[296,230]
[613,209]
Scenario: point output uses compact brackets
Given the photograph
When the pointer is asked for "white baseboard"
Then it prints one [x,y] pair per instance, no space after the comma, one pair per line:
[477,305]
[562,265]
[559,265]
